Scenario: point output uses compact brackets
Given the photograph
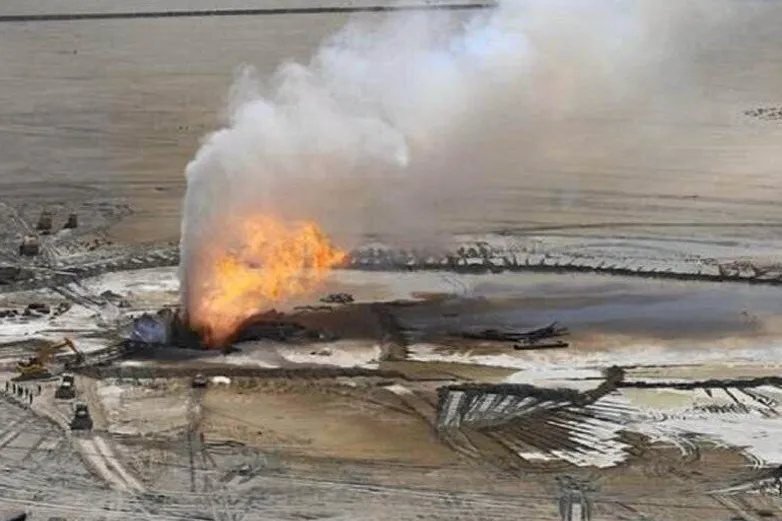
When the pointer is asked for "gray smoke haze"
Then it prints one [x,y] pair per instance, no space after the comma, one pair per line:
[399,119]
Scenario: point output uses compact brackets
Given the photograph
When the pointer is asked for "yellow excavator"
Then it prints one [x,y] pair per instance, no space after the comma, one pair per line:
[35,368]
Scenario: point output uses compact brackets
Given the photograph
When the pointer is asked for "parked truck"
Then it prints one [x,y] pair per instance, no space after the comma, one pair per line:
[67,389]
[30,246]
[82,421]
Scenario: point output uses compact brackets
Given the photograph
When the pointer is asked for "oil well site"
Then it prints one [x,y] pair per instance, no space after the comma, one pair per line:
[460,385]
[451,261]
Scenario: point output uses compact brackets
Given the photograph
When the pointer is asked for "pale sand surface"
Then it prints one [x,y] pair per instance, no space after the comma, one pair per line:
[118,107]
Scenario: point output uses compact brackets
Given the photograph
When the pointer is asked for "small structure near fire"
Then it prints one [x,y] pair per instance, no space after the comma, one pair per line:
[166,327]
[30,246]
[150,329]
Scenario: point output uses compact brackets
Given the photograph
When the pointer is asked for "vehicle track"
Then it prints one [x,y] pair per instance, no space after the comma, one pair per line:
[91,447]
[221,502]
[193,433]
[232,370]
[100,456]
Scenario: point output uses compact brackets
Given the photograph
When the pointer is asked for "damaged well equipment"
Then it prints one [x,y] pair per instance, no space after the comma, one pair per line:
[168,327]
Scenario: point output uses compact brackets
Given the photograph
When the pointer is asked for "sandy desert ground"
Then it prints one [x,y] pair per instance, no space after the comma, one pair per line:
[105,109]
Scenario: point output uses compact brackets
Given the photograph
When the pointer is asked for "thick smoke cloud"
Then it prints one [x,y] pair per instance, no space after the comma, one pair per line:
[399,120]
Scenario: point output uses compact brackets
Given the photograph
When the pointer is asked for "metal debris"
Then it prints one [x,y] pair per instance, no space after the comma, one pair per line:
[530,339]
[338,298]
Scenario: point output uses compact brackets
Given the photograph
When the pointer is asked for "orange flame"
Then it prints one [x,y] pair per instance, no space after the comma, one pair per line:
[272,261]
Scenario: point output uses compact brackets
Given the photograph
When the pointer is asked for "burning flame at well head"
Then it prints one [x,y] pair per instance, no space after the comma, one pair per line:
[263,260]
[404,112]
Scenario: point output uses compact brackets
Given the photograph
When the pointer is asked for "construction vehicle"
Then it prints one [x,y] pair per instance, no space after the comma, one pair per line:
[16,516]
[82,421]
[199,380]
[9,273]
[72,222]
[35,367]
[67,389]
[30,246]
[45,223]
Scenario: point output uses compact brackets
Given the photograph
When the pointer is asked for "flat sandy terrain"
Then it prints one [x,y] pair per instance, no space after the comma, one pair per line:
[117,108]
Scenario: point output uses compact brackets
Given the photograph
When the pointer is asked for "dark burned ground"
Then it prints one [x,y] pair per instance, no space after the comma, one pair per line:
[600,312]
[351,321]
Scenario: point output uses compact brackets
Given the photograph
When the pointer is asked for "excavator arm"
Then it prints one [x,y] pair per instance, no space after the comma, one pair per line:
[35,367]
[45,354]
[79,355]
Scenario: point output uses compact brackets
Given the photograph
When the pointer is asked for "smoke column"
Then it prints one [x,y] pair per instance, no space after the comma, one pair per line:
[399,119]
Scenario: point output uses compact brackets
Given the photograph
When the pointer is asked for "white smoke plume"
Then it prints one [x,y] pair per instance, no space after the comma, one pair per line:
[399,121]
